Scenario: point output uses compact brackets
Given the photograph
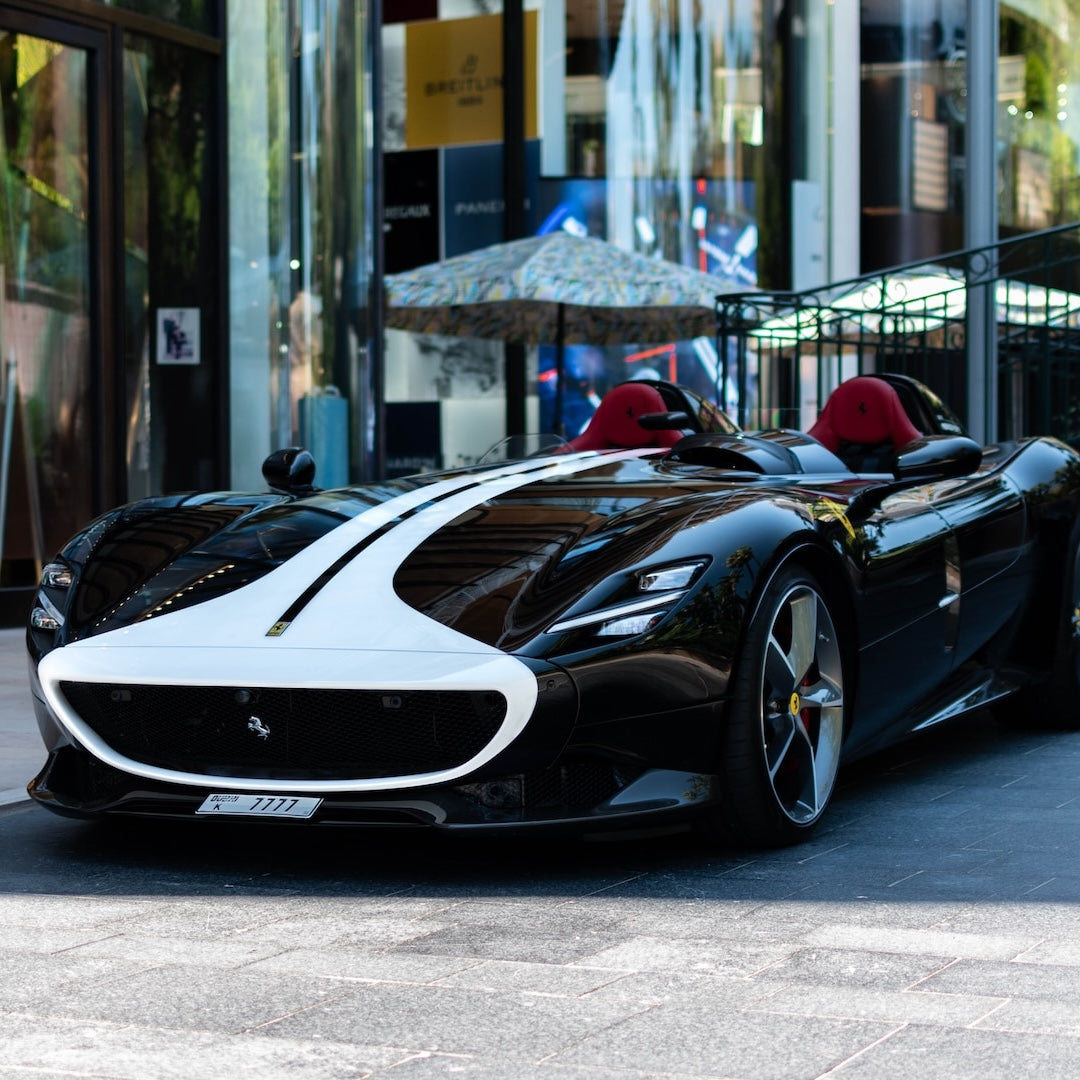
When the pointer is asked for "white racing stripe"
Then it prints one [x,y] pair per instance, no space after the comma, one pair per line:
[243,617]
[353,633]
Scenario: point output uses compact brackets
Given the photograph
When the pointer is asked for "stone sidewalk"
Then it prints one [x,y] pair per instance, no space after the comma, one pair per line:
[931,925]
[21,752]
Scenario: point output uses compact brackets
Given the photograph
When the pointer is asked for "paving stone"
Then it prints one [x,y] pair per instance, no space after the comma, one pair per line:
[553,980]
[861,1002]
[187,997]
[1054,982]
[1046,921]
[1034,1017]
[728,993]
[514,1026]
[440,1066]
[964,1054]
[50,939]
[725,957]
[855,967]
[508,943]
[750,1045]
[942,943]
[179,950]
[35,912]
[362,965]
[25,979]
[796,918]
[65,1048]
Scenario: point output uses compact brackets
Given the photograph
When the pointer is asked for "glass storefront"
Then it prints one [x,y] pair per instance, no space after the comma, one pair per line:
[199,15]
[914,117]
[1038,116]
[111,328]
[184,304]
[47,480]
[652,131]
[662,145]
[299,235]
[173,359]
[912,129]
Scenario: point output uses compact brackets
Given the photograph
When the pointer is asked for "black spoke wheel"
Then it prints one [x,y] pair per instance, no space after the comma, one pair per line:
[786,717]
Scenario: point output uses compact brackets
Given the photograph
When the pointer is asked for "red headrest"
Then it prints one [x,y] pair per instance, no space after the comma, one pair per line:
[614,425]
[866,411]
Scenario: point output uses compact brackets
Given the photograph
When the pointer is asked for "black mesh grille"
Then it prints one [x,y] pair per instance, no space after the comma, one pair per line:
[290,734]
[576,785]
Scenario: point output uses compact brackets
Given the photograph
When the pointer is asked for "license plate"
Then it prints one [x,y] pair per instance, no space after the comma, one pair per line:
[277,806]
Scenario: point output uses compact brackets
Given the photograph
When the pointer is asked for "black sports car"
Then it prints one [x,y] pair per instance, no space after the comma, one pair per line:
[665,618]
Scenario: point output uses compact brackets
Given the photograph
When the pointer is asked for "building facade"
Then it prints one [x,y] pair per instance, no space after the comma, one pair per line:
[200,199]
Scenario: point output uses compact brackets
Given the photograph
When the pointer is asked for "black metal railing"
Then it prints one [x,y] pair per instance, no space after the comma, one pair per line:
[782,352]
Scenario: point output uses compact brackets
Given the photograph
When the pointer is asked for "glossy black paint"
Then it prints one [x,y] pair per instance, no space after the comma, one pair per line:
[939,575]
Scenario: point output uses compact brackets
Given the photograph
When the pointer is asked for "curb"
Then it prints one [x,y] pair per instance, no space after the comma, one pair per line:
[12,796]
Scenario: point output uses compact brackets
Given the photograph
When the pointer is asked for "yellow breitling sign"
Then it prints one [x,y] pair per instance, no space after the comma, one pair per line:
[454,81]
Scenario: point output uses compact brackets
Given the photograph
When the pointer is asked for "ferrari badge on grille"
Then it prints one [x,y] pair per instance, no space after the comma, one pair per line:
[256,726]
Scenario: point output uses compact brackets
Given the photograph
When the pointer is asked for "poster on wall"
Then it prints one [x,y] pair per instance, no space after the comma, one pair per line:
[411,221]
[473,201]
[454,80]
[178,336]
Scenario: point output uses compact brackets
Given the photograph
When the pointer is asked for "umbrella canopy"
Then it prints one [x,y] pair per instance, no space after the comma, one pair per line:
[556,289]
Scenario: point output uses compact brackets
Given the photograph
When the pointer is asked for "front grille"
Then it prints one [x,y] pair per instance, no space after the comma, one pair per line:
[576,785]
[572,787]
[283,734]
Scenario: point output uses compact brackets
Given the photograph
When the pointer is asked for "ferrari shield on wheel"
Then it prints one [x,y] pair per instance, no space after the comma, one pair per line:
[786,722]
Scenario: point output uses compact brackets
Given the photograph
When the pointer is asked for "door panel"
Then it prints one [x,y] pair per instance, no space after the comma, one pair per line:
[905,626]
[988,518]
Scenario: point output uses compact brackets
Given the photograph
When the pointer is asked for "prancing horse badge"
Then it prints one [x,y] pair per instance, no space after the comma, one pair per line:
[255,725]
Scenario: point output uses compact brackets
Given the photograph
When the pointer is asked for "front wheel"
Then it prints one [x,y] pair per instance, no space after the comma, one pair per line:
[786,716]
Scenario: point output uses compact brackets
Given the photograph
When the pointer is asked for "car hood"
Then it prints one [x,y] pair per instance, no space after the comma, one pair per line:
[443,563]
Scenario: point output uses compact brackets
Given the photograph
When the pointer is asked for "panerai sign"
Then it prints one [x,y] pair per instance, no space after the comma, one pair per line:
[454,81]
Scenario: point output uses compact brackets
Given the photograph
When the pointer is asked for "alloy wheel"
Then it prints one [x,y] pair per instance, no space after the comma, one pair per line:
[802,696]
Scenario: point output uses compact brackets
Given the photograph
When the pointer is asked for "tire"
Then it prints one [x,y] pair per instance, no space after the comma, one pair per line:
[786,716]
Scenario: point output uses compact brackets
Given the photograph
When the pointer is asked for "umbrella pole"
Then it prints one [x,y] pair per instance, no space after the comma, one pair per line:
[560,367]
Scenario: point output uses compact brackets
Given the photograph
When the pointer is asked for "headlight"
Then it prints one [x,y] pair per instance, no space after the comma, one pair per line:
[45,616]
[629,625]
[57,575]
[669,577]
[56,580]
[665,586]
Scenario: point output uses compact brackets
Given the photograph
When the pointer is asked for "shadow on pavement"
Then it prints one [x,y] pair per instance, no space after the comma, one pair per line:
[957,804]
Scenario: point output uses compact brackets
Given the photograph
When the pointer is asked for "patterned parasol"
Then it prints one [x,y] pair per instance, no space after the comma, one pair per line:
[556,289]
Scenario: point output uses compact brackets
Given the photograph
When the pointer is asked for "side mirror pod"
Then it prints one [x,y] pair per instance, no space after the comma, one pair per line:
[923,461]
[290,471]
[937,457]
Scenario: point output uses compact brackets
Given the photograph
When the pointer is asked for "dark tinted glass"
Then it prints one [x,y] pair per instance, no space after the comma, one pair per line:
[199,15]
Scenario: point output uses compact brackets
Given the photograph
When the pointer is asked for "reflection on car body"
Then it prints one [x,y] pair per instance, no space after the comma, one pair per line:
[698,628]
